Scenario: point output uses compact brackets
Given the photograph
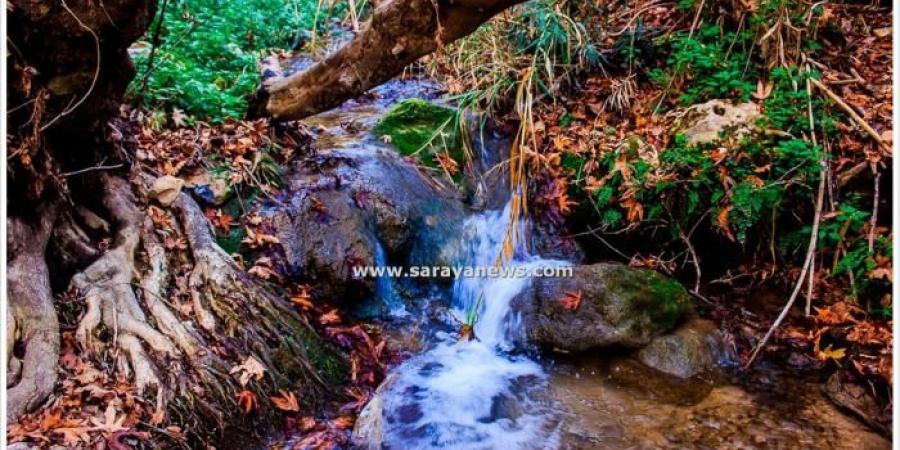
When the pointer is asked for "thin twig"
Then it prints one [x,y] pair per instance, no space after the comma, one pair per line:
[806,264]
[851,112]
[812,133]
[87,94]
[154,45]
[91,169]
[694,258]
[873,221]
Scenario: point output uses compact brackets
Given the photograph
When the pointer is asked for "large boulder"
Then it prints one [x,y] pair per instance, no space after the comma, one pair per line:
[324,235]
[601,305]
[694,347]
[356,202]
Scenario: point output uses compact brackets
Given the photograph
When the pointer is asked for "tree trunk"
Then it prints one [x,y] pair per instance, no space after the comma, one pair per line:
[399,33]
[32,317]
[68,70]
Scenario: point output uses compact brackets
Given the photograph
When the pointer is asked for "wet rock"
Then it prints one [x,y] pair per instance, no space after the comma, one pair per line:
[709,122]
[504,406]
[347,200]
[857,399]
[324,236]
[368,433]
[416,126]
[692,348]
[620,306]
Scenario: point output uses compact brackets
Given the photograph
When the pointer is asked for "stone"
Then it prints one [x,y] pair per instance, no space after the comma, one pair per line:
[709,122]
[620,306]
[345,203]
[166,189]
[858,400]
[368,433]
[689,350]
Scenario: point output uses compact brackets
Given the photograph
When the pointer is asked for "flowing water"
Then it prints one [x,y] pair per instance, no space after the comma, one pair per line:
[475,394]
[483,394]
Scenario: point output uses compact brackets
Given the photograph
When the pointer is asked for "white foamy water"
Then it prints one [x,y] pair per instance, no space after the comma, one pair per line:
[384,286]
[473,395]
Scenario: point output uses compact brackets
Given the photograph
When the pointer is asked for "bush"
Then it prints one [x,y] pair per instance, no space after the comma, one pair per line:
[205,64]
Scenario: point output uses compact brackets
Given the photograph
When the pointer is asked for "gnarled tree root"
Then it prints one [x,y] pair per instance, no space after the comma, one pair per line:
[107,287]
[233,318]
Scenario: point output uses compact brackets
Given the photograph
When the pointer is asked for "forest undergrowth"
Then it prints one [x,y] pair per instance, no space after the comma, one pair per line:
[782,229]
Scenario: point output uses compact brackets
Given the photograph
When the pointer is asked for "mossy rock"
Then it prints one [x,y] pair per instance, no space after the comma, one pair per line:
[421,128]
[620,306]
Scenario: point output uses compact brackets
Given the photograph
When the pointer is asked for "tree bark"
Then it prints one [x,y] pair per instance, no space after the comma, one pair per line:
[31,313]
[399,33]
[68,69]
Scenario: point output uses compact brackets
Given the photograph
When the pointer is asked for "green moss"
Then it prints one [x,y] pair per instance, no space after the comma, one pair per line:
[324,357]
[665,300]
[231,241]
[418,127]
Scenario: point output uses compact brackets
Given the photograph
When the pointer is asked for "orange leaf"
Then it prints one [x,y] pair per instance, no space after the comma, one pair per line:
[286,401]
[342,423]
[330,317]
[828,353]
[722,220]
[571,301]
[302,299]
[247,401]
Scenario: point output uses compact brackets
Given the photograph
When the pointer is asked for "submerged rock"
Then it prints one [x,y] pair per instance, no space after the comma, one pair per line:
[619,306]
[692,348]
[857,399]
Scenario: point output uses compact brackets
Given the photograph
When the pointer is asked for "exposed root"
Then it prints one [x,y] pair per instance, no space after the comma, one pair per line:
[220,287]
[152,286]
[187,368]
[107,287]
[33,318]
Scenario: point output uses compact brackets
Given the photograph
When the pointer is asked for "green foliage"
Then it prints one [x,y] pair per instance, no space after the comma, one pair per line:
[765,171]
[206,62]
[711,63]
[547,30]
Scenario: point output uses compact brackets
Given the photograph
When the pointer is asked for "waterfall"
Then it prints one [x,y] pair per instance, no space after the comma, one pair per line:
[483,235]
[475,394]
[384,286]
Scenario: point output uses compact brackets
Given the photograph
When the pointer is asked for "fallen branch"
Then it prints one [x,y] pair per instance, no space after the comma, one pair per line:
[851,112]
[399,33]
[803,272]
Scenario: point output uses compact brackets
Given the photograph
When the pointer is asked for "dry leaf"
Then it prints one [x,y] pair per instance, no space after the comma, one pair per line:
[571,300]
[250,368]
[286,401]
[247,401]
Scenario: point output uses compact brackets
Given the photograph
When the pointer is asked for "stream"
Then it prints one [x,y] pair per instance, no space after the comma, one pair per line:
[492,393]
